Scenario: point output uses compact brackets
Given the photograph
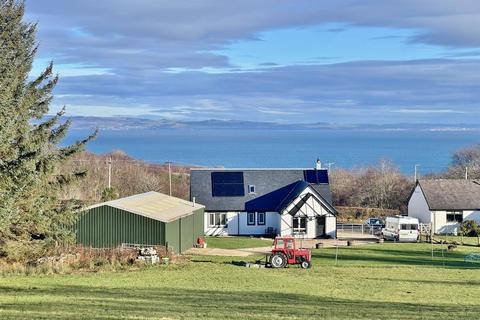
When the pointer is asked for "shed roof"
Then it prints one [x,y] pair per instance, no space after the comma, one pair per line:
[154,205]
[451,194]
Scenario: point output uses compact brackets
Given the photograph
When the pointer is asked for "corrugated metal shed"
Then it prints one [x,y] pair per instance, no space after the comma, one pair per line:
[147,219]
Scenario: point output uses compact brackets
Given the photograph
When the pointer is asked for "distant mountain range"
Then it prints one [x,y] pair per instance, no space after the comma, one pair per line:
[129,123]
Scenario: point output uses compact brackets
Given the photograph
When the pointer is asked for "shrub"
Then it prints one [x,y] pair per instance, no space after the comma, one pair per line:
[24,251]
[470,228]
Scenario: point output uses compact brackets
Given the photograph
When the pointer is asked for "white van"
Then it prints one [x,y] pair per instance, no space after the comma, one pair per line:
[401,228]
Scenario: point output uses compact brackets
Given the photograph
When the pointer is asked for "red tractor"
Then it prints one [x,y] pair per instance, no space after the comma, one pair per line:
[285,252]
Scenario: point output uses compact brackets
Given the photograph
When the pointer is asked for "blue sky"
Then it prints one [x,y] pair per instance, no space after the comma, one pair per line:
[346,61]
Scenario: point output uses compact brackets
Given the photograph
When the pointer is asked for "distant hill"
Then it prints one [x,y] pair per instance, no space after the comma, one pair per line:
[127,123]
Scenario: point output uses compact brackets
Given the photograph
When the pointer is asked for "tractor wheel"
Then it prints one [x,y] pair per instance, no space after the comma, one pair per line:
[278,260]
[305,264]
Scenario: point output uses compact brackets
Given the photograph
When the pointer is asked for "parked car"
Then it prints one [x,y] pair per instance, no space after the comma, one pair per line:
[375,223]
[401,228]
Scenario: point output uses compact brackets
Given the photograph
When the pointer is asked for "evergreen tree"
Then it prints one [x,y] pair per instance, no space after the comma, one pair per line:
[30,155]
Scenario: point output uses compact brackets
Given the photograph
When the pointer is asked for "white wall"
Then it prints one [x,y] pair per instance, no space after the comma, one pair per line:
[418,207]
[440,224]
[218,231]
[286,225]
[331,226]
[272,220]
[237,221]
[444,227]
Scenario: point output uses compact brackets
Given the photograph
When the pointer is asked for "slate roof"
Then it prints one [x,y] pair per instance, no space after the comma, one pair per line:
[154,205]
[272,187]
[451,194]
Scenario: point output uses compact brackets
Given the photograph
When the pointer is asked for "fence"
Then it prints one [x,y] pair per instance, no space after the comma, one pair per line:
[359,228]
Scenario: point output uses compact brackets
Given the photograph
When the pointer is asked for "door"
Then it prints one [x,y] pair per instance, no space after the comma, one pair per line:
[290,250]
[321,223]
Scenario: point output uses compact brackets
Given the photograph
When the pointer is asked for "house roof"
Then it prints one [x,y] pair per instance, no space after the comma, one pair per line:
[154,205]
[451,194]
[272,186]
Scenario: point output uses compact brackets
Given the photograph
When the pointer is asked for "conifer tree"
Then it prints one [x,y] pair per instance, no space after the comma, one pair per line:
[30,151]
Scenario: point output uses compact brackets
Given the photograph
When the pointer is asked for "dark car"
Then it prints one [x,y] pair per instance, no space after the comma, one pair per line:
[374,223]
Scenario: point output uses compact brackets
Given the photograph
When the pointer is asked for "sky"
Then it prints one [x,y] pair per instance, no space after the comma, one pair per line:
[298,61]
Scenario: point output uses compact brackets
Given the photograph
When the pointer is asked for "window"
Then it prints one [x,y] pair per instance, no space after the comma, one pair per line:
[251,218]
[251,188]
[299,224]
[409,227]
[261,218]
[279,244]
[217,219]
[454,216]
[290,244]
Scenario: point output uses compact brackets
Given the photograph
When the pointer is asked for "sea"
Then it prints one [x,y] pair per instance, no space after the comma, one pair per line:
[277,148]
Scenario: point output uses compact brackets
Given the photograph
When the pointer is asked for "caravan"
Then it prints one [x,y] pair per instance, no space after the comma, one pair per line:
[401,228]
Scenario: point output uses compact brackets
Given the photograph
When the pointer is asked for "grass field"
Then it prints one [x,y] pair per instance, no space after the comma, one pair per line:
[381,281]
[237,242]
[472,241]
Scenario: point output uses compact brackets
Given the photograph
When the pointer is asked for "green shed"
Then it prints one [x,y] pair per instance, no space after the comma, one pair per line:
[150,218]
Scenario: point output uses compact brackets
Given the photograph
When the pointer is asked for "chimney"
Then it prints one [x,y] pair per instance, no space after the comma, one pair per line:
[193,200]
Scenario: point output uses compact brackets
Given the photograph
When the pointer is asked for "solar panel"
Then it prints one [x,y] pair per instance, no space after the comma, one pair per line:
[227,184]
[316,176]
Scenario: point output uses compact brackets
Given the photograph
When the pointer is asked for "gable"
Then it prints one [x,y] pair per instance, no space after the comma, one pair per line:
[308,200]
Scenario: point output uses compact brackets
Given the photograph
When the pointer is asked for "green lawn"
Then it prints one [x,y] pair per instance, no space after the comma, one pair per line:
[472,241]
[237,242]
[381,281]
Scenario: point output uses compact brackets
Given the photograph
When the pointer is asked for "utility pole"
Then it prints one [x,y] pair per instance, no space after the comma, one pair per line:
[416,173]
[466,173]
[109,173]
[170,177]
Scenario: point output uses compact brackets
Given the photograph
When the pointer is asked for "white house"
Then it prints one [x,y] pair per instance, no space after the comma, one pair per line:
[265,202]
[445,203]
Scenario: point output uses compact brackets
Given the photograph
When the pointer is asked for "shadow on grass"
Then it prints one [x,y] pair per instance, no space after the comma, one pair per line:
[75,302]
[474,283]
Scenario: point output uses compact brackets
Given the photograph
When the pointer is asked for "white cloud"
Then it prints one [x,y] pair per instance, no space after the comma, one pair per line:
[427,111]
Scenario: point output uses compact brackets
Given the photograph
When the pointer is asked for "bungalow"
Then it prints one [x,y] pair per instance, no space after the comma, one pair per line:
[445,203]
[258,202]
